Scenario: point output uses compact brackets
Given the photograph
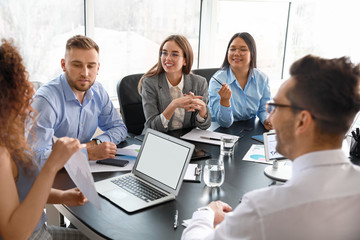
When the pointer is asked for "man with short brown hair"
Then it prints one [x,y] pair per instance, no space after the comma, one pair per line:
[311,113]
[74,105]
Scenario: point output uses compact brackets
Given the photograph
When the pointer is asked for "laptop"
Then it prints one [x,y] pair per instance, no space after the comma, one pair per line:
[156,177]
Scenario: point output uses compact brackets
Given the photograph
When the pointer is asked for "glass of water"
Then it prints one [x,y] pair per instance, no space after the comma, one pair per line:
[227,145]
[214,173]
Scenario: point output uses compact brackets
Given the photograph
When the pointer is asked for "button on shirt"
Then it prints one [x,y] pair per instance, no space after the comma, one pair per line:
[320,201]
[244,103]
[61,114]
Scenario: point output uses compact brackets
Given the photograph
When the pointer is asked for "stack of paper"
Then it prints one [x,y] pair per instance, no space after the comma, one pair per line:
[128,153]
[206,136]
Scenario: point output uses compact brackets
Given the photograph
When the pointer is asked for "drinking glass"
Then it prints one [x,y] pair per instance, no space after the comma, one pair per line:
[214,173]
[227,145]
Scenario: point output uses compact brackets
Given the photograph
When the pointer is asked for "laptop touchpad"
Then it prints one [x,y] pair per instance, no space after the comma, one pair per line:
[115,194]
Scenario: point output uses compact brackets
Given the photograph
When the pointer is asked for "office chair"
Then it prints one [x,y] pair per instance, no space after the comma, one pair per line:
[205,72]
[131,103]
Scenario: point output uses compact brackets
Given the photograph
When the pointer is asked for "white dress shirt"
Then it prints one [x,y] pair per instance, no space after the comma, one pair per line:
[320,201]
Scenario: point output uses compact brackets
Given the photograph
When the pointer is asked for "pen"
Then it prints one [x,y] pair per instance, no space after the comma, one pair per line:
[218,81]
[176,218]
[210,138]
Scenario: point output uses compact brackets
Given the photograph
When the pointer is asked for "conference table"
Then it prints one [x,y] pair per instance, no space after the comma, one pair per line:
[157,222]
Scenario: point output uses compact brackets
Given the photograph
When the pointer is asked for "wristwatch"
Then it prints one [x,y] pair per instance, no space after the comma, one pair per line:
[98,141]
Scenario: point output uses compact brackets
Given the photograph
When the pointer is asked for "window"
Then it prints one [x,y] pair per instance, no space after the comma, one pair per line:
[327,29]
[265,21]
[129,34]
[40,29]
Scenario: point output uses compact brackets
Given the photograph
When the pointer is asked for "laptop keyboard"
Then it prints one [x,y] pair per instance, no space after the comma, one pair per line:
[138,188]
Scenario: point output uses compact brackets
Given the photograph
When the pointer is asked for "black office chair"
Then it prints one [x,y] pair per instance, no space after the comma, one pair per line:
[131,104]
[205,72]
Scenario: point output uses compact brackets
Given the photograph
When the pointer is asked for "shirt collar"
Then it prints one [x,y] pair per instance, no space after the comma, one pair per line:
[232,77]
[180,85]
[318,158]
[69,93]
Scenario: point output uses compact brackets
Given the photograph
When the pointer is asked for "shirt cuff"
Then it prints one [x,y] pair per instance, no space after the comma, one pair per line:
[204,213]
[164,121]
[263,117]
[225,113]
[199,118]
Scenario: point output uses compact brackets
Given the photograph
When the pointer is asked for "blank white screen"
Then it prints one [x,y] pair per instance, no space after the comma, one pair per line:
[162,160]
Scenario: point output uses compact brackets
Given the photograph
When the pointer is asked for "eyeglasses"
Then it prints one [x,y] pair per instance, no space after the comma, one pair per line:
[242,51]
[271,105]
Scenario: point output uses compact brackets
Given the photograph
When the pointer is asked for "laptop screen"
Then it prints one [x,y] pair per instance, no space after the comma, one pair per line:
[167,160]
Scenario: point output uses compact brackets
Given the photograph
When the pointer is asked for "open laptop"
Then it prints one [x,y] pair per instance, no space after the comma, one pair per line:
[159,168]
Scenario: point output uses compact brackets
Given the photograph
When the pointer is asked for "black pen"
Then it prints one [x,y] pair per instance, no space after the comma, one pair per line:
[218,81]
[210,138]
[176,218]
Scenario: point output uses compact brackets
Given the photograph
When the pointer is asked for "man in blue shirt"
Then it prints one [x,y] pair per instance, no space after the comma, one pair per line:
[74,105]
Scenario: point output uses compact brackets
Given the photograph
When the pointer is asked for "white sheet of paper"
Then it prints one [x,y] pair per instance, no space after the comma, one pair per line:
[79,171]
[195,135]
[256,153]
[131,150]
[190,172]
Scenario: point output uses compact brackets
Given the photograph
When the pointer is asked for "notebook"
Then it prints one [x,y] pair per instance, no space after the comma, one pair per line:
[159,168]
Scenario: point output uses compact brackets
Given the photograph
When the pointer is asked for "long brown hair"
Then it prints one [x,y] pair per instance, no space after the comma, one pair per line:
[15,99]
[158,68]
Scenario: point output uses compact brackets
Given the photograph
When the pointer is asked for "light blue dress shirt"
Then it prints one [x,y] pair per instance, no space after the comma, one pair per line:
[244,103]
[60,114]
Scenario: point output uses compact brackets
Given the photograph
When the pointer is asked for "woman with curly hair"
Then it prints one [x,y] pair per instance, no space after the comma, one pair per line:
[25,190]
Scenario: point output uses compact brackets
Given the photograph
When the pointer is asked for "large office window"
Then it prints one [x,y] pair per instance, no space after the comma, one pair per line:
[265,21]
[129,34]
[40,29]
[328,29]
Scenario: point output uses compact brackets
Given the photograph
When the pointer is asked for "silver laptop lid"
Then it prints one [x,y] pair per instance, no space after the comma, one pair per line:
[163,160]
